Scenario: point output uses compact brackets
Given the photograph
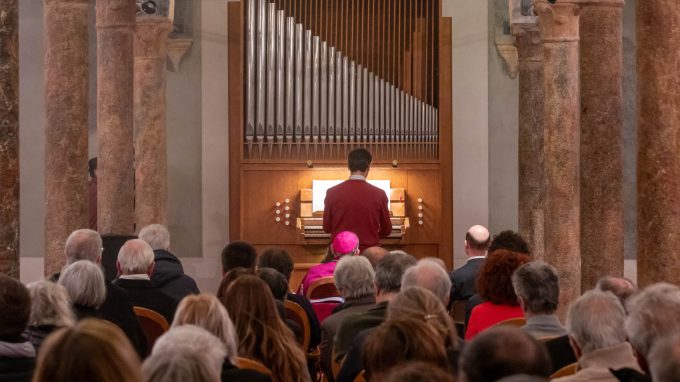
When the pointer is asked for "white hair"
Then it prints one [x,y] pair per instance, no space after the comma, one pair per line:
[185,353]
[354,277]
[430,275]
[596,321]
[652,314]
[84,282]
[83,244]
[50,305]
[664,359]
[156,235]
[135,257]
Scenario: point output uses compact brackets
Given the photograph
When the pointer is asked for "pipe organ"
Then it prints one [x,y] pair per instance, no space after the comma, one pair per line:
[310,80]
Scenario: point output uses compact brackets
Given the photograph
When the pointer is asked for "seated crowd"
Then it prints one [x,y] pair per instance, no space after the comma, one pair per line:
[373,316]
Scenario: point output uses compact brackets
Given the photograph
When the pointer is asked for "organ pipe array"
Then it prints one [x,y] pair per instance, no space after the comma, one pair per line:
[325,76]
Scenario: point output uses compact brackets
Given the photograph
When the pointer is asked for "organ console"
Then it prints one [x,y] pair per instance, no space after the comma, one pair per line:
[310,80]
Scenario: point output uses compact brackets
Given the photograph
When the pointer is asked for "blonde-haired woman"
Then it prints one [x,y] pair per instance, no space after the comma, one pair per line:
[206,311]
[92,350]
[263,336]
[50,310]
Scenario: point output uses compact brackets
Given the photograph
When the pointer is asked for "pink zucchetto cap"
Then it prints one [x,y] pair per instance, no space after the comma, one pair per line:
[345,242]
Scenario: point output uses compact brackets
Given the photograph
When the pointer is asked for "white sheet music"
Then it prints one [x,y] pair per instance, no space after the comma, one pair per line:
[319,188]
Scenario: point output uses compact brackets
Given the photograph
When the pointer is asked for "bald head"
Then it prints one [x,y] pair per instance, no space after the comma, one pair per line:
[83,244]
[620,286]
[477,241]
[374,255]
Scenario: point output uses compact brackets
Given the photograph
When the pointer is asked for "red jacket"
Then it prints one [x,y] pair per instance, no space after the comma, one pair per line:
[357,206]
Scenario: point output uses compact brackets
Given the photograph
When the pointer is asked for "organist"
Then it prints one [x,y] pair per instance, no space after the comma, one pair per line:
[357,206]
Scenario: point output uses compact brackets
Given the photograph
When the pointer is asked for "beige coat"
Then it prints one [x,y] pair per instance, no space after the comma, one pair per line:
[595,365]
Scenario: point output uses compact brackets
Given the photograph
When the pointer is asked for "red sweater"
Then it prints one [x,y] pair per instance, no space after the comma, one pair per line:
[487,314]
[357,206]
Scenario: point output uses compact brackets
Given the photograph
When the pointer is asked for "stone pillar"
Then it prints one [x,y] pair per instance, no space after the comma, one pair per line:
[559,25]
[531,156]
[115,163]
[9,138]
[151,158]
[601,28]
[66,130]
[658,170]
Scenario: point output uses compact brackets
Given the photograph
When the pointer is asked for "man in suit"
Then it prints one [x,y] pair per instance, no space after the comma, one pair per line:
[463,278]
[135,266]
[86,244]
[357,206]
[168,274]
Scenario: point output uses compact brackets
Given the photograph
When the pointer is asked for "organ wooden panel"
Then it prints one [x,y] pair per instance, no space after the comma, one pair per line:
[310,80]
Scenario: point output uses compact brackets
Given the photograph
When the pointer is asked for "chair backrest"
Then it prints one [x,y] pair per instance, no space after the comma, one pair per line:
[457,312]
[517,322]
[322,288]
[246,363]
[360,377]
[295,313]
[565,371]
[153,325]
[336,364]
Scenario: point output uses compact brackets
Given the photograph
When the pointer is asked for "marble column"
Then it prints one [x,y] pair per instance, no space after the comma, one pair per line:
[66,129]
[9,138]
[658,169]
[559,24]
[115,164]
[530,139]
[601,28]
[151,157]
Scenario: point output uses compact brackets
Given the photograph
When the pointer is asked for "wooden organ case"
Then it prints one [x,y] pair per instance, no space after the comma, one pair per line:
[310,80]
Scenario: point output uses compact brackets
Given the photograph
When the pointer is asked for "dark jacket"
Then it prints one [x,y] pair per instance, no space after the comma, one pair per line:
[144,294]
[560,351]
[36,334]
[231,373]
[17,360]
[355,323]
[117,308]
[168,276]
[463,279]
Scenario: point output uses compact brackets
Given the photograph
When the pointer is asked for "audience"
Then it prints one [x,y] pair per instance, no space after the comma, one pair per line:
[620,286]
[463,279]
[168,274]
[135,265]
[495,288]
[279,259]
[84,283]
[238,254]
[664,359]
[388,276]
[262,334]
[206,311]
[50,310]
[278,285]
[354,278]
[374,255]
[92,350]
[510,241]
[345,243]
[418,371]
[17,355]
[430,275]
[185,353]
[400,340]
[595,322]
[501,352]
[86,244]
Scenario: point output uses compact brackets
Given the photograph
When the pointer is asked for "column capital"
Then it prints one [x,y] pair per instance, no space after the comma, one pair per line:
[528,43]
[151,36]
[559,22]
[115,13]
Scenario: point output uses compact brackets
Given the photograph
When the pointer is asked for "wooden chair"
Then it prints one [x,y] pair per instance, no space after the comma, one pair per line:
[457,314]
[323,287]
[565,371]
[245,363]
[153,325]
[295,313]
[516,322]
[336,364]
[361,377]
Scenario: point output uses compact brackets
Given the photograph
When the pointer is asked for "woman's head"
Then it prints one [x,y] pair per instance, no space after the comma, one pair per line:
[92,350]
[50,305]
[494,282]
[421,305]
[84,282]
[206,311]
[401,340]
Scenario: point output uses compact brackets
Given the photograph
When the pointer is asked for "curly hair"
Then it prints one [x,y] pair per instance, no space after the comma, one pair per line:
[494,282]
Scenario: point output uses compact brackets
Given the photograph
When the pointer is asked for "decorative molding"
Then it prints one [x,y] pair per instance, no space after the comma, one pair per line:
[177,48]
[508,51]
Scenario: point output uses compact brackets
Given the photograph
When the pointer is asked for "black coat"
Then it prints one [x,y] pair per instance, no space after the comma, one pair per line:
[231,373]
[463,279]
[144,294]
[16,369]
[168,276]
